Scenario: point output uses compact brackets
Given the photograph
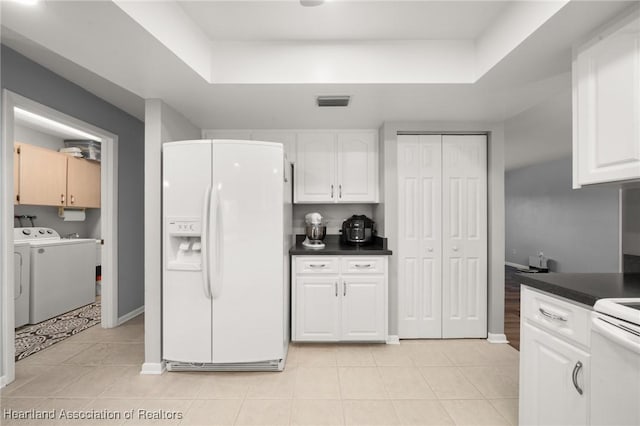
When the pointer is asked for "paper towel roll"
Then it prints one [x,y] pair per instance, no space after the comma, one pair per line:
[72,215]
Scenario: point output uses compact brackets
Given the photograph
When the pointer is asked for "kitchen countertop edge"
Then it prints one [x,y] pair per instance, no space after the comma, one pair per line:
[335,248]
[585,288]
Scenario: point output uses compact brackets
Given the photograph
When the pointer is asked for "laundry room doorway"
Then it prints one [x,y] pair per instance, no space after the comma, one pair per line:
[59,228]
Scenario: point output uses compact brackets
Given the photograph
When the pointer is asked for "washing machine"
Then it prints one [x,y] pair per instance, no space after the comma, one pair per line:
[21,269]
[62,272]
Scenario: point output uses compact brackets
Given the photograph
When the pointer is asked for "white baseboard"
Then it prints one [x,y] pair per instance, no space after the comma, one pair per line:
[153,368]
[496,338]
[393,340]
[516,265]
[3,381]
[130,315]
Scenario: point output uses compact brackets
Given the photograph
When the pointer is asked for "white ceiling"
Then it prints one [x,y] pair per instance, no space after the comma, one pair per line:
[335,20]
[122,62]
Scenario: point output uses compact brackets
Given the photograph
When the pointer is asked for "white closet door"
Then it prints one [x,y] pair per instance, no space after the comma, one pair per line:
[420,242]
[464,225]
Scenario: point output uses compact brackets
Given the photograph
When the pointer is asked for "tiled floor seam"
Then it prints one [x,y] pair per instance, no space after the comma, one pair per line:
[244,398]
[502,415]
[472,384]
[344,414]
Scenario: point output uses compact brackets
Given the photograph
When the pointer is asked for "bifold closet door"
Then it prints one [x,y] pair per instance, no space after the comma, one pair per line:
[464,228]
[420,237]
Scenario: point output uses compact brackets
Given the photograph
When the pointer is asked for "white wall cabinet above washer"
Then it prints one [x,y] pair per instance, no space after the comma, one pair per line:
[337,167]
[606,105]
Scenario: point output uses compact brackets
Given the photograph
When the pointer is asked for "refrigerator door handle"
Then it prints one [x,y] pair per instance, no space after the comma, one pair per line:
[204,237]
[218,238]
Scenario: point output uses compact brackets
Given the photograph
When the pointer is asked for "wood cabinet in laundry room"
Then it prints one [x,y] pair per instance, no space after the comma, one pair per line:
[44,177]
[83,183]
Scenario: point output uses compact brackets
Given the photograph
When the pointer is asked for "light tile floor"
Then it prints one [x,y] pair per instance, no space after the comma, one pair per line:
[428,382]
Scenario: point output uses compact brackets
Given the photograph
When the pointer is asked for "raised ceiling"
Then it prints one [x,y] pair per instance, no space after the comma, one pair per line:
[343,20]
[105,50]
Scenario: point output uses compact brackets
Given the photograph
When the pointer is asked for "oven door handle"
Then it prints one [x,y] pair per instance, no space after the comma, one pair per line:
[625,337]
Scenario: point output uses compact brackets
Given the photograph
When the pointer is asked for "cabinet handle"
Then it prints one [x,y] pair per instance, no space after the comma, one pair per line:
[340,191]
[336,285]
[331,191]
[315,265]
[574,377]
[61,198]
[362,265]
[552,316]
[344,288]
[73,199]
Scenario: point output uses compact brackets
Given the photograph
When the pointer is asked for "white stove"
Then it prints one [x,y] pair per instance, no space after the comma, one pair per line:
[625,309]
[615,362]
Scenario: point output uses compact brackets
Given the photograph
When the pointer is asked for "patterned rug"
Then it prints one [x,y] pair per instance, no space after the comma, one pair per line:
[31,339]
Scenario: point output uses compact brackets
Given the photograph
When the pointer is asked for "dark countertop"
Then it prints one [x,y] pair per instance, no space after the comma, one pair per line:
[584,288]
[335,248]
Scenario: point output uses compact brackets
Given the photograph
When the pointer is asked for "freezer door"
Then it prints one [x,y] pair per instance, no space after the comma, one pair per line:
[186,307]
[246,240]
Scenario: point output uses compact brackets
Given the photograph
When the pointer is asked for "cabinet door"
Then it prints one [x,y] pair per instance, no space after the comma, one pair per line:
[420,242]
[317,310]
[287,139]
[43,176]
[607,104]
[552,373]
[464,236]
[363,308]
[16,174]
[83,183]
[315,168]
[357,168]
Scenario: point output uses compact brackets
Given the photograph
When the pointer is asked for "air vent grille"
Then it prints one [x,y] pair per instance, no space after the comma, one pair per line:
[333,101]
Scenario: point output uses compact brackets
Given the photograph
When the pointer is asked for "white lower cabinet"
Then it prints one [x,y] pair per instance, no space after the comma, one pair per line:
[554,370]
[363,304]
[318,308]
[342,306]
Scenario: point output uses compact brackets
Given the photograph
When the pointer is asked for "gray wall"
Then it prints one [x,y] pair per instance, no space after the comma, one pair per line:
[631,222]
[577,229]
[25,77]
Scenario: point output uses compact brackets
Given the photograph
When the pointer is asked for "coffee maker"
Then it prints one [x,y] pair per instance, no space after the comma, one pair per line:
[315,231]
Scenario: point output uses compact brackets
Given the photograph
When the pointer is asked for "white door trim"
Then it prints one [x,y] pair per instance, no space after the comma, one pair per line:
[108,219]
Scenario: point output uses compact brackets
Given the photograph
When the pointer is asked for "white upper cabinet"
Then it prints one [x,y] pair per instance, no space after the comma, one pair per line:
[357,166]
[606,103]
[337,167]
[287,139]
[315,168]
[331,166]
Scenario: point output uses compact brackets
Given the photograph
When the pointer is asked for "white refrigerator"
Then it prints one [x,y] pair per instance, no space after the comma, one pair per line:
[226,238]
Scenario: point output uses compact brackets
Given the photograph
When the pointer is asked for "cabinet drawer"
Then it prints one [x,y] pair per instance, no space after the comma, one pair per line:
[555,314]
[317,265]
[363,265]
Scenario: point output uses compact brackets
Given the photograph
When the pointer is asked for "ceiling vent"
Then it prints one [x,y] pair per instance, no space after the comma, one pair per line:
[333,101]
